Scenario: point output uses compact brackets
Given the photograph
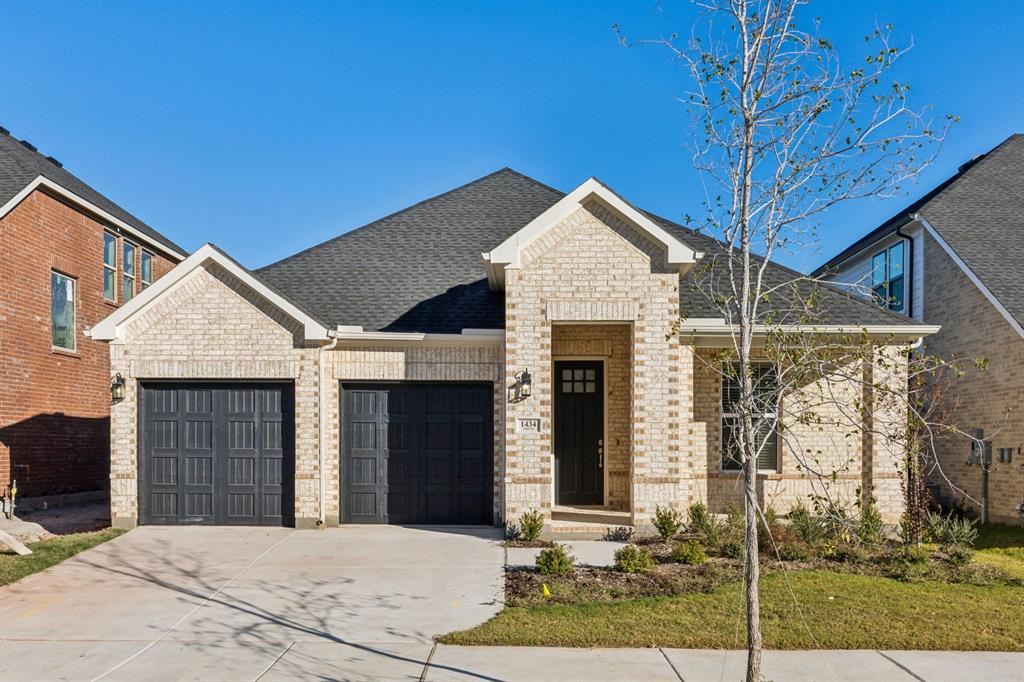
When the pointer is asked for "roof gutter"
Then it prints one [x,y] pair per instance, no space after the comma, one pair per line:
[713,332]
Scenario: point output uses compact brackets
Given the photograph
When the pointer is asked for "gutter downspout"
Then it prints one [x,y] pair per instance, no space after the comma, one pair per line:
[910,266]
[321,522]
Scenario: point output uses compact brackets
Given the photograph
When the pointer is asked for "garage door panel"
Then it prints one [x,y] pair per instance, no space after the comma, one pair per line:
[431,447]
[233,462]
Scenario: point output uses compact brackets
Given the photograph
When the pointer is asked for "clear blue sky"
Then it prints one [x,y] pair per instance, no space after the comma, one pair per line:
[269,127]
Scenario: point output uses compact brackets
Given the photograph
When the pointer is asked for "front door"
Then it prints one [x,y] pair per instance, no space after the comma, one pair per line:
[579,432]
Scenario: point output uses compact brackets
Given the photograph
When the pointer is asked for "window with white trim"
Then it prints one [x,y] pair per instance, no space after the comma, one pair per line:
[887,281]
[62,311]
[109,266]
[128,270]
[765,418]
[145,268]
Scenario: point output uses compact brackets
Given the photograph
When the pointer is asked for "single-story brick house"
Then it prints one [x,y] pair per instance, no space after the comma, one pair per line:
[498,348]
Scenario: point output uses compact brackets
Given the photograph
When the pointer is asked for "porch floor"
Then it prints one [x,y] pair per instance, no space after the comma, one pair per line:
[588,523]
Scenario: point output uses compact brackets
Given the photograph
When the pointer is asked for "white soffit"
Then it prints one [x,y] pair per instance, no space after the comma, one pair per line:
[714,331]
[508,252]
[110,327]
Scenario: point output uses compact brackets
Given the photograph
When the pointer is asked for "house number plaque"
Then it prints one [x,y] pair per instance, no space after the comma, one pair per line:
[528,425]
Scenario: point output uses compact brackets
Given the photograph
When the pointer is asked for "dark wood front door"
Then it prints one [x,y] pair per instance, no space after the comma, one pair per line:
[579,432]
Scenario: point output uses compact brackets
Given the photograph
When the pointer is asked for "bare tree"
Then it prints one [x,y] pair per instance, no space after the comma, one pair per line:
[783,132]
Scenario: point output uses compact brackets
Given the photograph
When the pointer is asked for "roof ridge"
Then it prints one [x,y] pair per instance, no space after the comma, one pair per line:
[419,203]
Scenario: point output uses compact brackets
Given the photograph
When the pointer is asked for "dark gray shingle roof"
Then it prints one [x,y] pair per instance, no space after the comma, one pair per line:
[20,165]
[981,216]
[421,269]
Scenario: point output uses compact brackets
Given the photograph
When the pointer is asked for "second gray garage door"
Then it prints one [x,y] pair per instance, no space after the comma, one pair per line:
[417,453]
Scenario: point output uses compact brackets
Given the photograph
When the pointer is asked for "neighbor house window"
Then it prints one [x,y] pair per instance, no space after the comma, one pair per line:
[887,278]
[109,266]
[765,418]
[128,267]
[62,311]
[146,268]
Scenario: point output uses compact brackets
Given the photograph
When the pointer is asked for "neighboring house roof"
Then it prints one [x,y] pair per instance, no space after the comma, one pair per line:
[979,214]
[420,269]
[20,167]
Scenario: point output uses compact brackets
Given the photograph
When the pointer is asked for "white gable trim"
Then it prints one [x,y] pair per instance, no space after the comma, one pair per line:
[714,332]
[508,252]
[59,190]
[112,326]
[970,274]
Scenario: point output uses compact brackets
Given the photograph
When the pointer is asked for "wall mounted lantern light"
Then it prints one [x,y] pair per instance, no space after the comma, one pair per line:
[520,390]
[116,389]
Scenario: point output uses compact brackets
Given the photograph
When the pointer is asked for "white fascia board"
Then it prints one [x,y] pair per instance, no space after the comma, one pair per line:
[711,331]
[52,186]
[468,337]
[110,328]
[507,253]
[970,274]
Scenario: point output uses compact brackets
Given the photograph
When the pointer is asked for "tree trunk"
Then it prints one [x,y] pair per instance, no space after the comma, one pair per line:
[752,571]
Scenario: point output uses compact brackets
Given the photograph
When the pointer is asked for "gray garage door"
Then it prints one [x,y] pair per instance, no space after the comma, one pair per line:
[216,453]
[417,453]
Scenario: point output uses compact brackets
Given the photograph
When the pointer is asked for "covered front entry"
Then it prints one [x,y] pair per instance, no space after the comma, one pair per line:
[417,453]
[216,453]
[579,432]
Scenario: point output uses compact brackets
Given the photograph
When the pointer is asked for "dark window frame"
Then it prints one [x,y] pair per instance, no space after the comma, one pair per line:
[728,462]
[888,277]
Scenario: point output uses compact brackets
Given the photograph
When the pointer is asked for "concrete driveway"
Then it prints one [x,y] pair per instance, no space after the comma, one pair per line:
[251,603]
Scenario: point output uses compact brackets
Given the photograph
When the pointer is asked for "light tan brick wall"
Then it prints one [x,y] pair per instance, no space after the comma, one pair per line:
[211,326]
[592,267]
[828,455]
[418,363]
[611,343]
[992,400]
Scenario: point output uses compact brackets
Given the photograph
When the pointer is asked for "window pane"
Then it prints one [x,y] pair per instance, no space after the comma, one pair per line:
[566,374]
[567,387]
[577,374]
[896,294]
[147,269]
[896,260]
[768,445]
[109,250]
[62,311]
[129,259]
[878,270]
[591,375]
[109,282]
[591,387]
[128,284]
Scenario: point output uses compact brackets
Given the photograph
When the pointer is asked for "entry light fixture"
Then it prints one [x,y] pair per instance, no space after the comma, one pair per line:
[116,389]
[524,381]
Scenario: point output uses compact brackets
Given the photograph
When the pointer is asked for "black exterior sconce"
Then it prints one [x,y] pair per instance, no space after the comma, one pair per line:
[521,389]
[117,389]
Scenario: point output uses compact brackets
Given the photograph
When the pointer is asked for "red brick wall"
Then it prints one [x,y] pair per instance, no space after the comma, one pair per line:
[54,405]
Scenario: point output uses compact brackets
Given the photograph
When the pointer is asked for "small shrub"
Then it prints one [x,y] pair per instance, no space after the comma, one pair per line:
[846,553]
[667,521]
[710,529]
[633,559]
[555,560]
[911,554]
[512,532]
[732,549]
[952,530]
[870,527]
[689,553]
[959,555]
[531,524]
[806,527]
[795,551]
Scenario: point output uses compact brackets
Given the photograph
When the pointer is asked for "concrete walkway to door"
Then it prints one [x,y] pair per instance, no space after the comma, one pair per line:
[163,603]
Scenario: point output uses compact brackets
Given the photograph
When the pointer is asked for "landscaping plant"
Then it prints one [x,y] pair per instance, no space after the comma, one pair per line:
[952,530]
[531,523]
[667,521]
[710,529]
[555,560]
[633,559]
[689,553]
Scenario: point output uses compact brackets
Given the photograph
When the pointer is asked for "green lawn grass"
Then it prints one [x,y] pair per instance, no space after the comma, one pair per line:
[49,553]
[830,610]
[1002,547]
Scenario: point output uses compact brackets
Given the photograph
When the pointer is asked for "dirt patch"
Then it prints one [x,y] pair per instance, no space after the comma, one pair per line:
[528,544]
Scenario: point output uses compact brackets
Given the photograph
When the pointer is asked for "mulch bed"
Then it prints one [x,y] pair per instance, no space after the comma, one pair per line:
[526,543]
